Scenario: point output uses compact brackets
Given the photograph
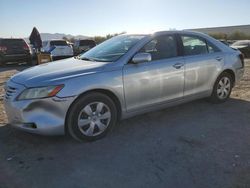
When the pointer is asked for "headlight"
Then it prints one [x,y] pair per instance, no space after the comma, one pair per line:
[39,92]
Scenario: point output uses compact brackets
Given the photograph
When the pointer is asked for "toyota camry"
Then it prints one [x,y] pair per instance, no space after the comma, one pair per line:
[127,75]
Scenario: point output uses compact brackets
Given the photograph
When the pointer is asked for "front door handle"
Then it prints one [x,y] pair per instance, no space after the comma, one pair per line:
[178,65]
[218,58]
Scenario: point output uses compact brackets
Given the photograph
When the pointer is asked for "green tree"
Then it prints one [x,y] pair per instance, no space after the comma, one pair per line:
[100,39]
[219,35]
[238,35]
[65,38]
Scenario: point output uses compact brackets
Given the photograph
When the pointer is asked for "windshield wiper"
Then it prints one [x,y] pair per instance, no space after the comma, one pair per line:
[86,59]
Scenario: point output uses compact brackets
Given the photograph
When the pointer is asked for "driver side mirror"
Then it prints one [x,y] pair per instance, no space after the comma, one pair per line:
[141,58]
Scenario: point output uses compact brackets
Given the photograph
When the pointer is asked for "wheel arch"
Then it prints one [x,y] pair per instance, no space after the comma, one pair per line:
[107,92]
[231,72]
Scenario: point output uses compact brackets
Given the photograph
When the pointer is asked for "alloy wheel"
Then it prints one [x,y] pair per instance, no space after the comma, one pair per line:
[94,119]
[224,87]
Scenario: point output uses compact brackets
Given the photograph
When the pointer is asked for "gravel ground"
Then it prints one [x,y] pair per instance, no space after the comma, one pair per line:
[192,145]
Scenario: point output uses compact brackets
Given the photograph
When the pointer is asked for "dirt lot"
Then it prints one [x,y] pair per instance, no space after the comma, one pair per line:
[192,145]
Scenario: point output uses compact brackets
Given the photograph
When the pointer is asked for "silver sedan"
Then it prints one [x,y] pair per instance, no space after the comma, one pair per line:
[127,75]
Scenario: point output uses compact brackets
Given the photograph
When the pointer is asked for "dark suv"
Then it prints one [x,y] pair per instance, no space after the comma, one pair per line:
[14,50]
[81,46]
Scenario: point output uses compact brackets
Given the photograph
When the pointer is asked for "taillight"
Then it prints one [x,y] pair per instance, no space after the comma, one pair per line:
[26,47]
[3,48]
[242,59]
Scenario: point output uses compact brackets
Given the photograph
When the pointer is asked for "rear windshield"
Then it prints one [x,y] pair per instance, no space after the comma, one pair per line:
[12,42]
[58,43]
[87,43]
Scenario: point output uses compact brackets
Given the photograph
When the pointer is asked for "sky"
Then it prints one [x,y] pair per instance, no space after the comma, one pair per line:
[101,17]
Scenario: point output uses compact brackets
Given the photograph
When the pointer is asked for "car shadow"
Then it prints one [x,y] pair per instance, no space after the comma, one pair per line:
[196,112]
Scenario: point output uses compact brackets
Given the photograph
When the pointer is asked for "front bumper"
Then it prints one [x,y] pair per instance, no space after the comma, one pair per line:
[41,116]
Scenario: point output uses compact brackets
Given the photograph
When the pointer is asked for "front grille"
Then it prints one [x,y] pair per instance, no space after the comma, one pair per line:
[9,92]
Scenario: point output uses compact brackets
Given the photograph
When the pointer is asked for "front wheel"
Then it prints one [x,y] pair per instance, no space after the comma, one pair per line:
[91,117]
[222,88]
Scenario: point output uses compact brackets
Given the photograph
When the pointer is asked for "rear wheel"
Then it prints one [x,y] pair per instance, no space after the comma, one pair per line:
[91,117]
[222,88]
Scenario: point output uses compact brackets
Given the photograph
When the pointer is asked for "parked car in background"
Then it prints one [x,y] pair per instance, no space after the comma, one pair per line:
[59,49]
[81,46]
[122,77]
[14,50]
[243,46]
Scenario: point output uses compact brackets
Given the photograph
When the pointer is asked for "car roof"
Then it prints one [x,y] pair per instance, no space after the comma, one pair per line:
[172,32]
[11,39]
[187,32]
[54,40]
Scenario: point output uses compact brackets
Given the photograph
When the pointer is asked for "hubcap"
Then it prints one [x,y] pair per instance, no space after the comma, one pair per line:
[223,88]
[94,118]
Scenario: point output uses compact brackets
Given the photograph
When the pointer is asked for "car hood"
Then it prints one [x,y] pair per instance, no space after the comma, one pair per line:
[57,72]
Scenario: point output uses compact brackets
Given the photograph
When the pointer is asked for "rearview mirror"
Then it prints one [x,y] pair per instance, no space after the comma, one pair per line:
[141,58]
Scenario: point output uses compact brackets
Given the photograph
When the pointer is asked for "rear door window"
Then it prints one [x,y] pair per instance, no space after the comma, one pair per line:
[212,48]
[194,46]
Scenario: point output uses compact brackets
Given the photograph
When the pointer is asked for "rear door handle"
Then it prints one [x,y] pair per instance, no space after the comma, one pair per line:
[178,65]
[218,58]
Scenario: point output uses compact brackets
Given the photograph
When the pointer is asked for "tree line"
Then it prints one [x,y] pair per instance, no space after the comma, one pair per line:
[237,35]
[97,39]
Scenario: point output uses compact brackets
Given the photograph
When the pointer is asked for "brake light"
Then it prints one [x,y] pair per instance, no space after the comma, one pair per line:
[25,47]
[242,59]
[3,48]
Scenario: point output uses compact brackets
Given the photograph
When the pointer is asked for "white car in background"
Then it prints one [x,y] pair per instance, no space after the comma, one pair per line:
[58,49]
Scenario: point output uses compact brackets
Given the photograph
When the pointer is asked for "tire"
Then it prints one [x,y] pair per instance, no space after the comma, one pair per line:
[222,88]
[96,123]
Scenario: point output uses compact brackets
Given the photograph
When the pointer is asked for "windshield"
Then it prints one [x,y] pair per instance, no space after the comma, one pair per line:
[241,43]
[112,49]
[12,42]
